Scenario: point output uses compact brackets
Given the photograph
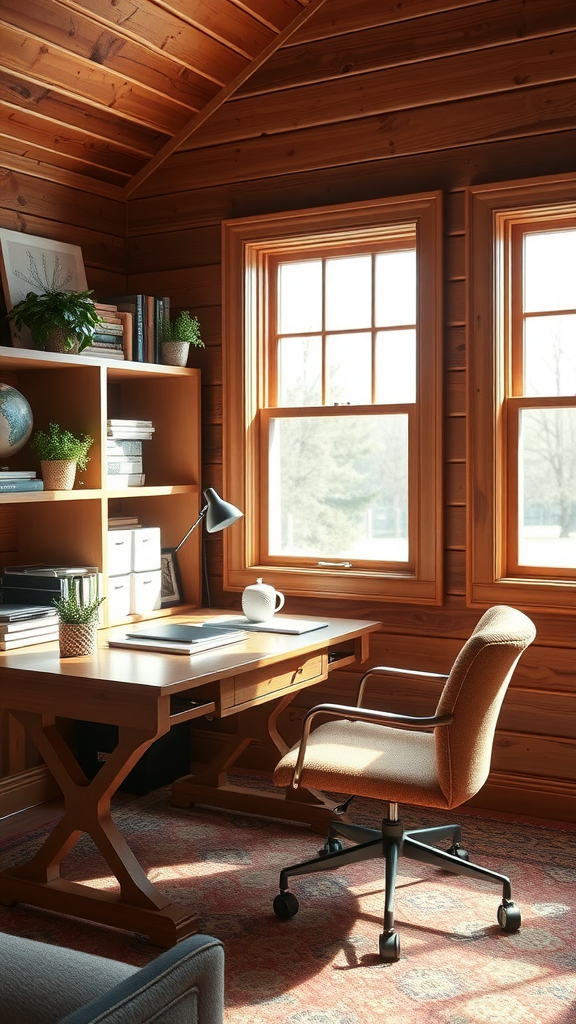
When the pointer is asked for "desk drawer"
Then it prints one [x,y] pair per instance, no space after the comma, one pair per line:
[262,684]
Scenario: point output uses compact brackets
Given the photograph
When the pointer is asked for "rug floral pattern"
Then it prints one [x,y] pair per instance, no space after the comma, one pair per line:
[322,967]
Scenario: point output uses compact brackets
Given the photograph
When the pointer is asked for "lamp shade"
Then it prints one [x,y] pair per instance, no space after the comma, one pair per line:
[220,513]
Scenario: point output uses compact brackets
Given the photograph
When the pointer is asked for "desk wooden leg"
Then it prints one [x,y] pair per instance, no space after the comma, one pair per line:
[139,906]
[210,786]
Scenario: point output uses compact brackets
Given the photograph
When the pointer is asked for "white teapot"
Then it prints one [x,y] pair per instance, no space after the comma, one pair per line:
[260,601]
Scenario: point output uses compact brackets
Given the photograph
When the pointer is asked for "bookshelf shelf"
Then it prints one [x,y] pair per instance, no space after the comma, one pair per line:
[81,394]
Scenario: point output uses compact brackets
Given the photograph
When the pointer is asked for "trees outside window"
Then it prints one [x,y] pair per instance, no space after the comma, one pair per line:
[332,399]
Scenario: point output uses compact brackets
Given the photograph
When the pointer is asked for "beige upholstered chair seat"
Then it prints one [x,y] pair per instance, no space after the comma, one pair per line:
[368,760]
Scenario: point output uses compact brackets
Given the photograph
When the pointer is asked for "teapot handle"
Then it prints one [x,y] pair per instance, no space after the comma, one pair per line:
[279,597]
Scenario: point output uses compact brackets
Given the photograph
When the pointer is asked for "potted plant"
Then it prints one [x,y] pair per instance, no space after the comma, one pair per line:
[78,625]
[176,336]
[60,452]
[60,321]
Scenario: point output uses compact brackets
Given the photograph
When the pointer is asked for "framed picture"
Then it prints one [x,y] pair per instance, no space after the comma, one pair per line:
[171,585]
[29,263]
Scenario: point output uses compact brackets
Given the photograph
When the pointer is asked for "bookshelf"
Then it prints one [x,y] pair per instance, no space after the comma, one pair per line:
[81,393]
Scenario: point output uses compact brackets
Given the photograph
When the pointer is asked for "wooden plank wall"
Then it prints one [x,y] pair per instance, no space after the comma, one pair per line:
[370,100]
[68,211]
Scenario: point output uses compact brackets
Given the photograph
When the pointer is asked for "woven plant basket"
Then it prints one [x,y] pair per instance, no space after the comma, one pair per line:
[58,474]
[77,640]
[175,353]
[57,342]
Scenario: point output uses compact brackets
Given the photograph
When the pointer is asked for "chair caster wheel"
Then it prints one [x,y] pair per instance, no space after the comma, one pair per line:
[331,845]
[458,851]
[509,917]
[389,947]
[286,905]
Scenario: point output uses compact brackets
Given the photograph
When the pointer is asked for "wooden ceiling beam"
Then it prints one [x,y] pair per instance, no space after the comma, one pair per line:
[217,101]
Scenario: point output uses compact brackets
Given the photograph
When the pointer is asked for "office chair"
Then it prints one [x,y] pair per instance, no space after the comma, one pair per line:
[440,761]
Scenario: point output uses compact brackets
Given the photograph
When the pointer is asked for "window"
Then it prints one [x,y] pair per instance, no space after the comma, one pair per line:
[523,397]
[331,335]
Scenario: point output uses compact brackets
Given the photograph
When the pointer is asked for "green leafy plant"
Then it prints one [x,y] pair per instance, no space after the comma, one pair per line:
[184,328]
[71,314]
[57,443]
[71,612]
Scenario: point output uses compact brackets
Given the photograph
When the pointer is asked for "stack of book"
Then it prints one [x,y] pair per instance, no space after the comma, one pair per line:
[112,338]
[146,313]
[19,480]
[23,625]
[124,452]
[123,523]
[41,584]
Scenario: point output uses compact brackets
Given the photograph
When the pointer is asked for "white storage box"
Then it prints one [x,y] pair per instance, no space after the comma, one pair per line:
[119,552]
[146,591]
[119,597]
[146,549]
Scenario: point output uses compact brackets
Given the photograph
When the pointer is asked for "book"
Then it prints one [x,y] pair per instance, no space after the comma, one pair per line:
[123,449]
[17,474]
[276,624]
[166,646]
[140,424]
[19,612]
[123,465]
[110,330]
[120,480]
[27,627]
[133,304]
[38,638]
[21,485]
[42,569]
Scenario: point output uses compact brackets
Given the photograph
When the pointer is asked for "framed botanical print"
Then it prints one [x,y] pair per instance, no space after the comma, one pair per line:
[29,263]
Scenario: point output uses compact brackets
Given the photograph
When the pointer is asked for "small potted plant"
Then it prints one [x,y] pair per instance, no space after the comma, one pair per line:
[176,336]
[78,625]
[60,452]
[60,321]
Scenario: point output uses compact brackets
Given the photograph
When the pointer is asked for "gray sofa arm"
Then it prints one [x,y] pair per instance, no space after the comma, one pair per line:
[184,985]
[45,984]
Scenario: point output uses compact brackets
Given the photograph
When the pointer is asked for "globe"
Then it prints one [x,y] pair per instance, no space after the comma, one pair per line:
[15,421]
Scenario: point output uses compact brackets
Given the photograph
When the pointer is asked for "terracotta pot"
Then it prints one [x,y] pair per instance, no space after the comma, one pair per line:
[77,640]
[58,474]
[57,342]
[175,353]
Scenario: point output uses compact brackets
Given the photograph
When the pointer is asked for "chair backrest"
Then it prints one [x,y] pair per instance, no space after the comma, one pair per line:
[473,694]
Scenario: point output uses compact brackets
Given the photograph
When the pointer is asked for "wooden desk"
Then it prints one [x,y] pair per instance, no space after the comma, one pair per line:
[144,694]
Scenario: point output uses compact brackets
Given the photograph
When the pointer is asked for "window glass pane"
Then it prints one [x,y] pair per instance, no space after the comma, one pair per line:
[300,297]
[348,293]
[348,369]
[550,355]
[300,371]
[395,366]
[339,487]
[549,270]
[395,285]
[547,488]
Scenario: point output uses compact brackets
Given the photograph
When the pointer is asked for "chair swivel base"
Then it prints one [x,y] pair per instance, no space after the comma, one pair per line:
[391,842]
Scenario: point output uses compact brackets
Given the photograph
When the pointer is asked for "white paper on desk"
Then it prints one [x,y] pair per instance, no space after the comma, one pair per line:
[277,624]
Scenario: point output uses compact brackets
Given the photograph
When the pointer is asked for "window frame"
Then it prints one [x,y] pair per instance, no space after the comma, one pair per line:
[250,247]
[494,216]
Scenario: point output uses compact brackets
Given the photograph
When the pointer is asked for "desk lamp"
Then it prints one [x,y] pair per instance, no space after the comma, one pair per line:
[219,514]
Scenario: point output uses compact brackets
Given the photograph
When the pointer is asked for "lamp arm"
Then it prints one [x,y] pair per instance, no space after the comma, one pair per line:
[192,528]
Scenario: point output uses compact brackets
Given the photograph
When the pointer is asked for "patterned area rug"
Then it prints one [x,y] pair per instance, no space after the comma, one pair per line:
[322,967]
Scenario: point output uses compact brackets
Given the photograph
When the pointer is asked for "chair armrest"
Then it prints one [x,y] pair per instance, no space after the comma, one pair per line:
[186,983]
[359,715]
[396,672]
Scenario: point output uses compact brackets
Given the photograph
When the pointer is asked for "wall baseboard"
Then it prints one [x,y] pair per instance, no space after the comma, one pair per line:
[27,789]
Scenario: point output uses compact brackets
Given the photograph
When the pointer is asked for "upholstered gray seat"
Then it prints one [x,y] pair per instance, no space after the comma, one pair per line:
[440,761]
[44,984]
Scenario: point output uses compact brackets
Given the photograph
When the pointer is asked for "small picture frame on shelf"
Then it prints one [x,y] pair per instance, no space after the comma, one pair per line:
[171,585]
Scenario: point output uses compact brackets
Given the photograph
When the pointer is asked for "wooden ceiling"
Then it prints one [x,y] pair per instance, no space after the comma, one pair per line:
[107,89]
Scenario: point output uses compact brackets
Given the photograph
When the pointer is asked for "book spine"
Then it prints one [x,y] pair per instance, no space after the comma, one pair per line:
[124,448]
[21,485]
[119,465]
[109,329]
[119,480]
